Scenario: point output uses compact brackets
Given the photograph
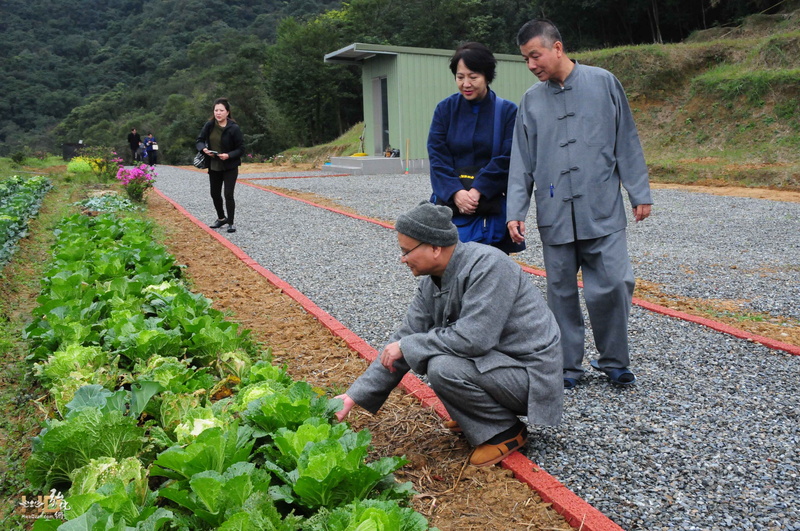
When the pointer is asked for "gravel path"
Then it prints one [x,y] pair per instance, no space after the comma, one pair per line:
[709,438]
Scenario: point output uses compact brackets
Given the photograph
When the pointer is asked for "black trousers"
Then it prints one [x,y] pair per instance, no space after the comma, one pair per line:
[227,178]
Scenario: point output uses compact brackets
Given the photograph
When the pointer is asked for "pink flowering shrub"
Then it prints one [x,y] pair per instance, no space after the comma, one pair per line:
[137,180]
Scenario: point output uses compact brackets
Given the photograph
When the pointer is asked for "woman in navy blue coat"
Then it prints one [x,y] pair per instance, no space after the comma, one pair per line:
[469,147]
[150,149]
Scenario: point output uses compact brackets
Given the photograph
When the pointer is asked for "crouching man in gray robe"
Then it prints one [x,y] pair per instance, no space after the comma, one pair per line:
[480,331]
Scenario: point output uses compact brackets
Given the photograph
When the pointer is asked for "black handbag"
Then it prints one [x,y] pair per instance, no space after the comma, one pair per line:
[200,160]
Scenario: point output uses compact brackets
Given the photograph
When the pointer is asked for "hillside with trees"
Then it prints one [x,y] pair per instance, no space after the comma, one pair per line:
[90,71]
[722,107]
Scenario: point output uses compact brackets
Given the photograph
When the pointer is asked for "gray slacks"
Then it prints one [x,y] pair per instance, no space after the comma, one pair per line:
[608,283]
[483,404]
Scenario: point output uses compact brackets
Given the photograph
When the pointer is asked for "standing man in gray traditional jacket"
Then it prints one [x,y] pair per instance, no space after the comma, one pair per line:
[480,331]
[574,143]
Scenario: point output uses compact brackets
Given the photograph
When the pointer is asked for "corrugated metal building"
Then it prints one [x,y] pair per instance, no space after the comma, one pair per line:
[402,86]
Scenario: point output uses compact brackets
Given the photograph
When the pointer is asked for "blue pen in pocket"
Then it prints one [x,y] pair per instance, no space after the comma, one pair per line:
[551,189]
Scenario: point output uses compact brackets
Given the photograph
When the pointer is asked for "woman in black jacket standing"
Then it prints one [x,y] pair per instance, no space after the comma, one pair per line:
[223,143]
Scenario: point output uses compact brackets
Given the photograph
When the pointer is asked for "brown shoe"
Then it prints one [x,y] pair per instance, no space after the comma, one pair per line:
[452,426]
[488,454]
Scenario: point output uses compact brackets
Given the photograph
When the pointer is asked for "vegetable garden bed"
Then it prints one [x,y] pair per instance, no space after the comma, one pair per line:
[20,199]
[163,412]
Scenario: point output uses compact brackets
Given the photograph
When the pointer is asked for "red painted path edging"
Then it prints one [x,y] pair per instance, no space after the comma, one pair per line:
[577,512]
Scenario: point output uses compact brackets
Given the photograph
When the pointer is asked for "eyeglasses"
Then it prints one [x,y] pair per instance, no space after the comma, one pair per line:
[403,255]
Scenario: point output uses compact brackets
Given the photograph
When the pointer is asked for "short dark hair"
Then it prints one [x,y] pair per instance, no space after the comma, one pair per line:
[539,27]
[477,58]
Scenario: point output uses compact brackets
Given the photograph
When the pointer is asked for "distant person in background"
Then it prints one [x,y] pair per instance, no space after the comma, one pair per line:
[223,143]
[133,142]
[469,145]
[151,148]
[575,146]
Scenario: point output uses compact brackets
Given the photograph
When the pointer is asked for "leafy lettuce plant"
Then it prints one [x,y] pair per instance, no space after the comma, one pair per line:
[71,310]
[287,408]
[67,370]
[238,498]
[98,472]
[209,335]
[174,302]
[330,472]
[368,514]
[234,363]
[100,518]
[136,337]
[288,445]
[196,422]
[255,391]
[99,423]
[85,434]
[170,408]
[115,491]
[176,375]
[214,449]
[263,370]
[72,359]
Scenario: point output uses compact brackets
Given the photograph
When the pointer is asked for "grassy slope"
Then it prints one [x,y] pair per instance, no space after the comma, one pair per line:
[345,145]
[721,107]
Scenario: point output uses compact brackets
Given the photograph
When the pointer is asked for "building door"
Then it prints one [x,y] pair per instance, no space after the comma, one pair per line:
[380,114]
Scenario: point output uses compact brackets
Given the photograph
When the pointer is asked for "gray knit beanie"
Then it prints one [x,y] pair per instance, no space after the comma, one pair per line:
[428,223]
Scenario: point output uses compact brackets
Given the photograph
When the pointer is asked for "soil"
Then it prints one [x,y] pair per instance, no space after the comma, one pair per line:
[724,189]
[451,495]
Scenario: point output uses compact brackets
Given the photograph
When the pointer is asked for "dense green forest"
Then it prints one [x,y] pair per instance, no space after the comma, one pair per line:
[91,70]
